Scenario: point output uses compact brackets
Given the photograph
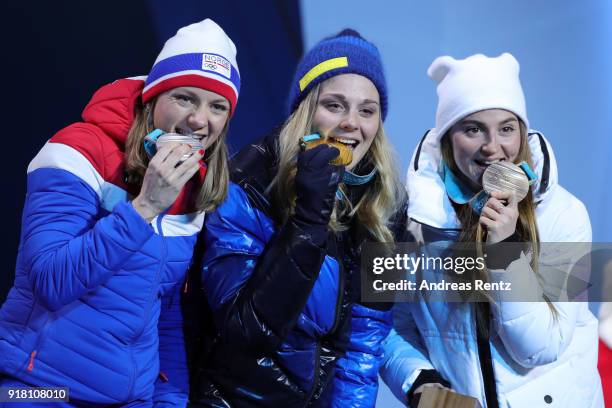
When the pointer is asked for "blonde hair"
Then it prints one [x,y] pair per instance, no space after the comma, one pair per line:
[214,189]
[381,200]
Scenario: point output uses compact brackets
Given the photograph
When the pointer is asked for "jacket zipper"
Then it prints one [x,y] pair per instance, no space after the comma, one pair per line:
[162,263]
[487,371]
[334,327]
[339,299]
[39,342]
[315,378]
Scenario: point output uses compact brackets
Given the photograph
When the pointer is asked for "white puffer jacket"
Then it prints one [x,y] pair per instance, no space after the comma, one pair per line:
[538,362]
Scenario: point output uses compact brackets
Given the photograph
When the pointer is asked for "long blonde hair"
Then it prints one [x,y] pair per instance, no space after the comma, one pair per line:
[381,200]
[211,193]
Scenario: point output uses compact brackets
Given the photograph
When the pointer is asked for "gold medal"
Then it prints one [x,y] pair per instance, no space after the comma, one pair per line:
[344,158]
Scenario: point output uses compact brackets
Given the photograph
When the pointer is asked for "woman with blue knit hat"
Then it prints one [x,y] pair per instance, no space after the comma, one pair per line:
[113,209]
[281,268]
[481,177]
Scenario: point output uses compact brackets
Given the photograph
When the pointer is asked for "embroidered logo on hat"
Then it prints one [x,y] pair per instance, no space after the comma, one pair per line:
[216,63]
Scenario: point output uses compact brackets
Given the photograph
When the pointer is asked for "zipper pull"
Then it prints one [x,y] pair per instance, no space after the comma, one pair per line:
[31,364]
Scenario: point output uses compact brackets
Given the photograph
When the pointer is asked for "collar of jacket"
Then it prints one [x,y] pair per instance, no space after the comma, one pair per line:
[253,168]
[364,173]
[460,193]
[356,182]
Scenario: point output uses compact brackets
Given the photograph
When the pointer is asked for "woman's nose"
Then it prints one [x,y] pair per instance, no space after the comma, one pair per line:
[350,121]
[198,119]
[490,145]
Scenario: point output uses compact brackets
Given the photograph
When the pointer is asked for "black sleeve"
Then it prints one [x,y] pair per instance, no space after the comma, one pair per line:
[272,286]
[425,377]
[502,254]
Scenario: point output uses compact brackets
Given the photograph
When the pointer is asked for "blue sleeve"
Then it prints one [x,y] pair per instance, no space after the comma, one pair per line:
[355,382]
[405,353]
[172,385]
[67,248]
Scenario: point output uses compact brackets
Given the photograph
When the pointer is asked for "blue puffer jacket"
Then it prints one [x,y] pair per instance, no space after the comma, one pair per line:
[291,330]
[91,273]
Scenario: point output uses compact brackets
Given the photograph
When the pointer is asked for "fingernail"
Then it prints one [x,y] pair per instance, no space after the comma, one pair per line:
[201,151]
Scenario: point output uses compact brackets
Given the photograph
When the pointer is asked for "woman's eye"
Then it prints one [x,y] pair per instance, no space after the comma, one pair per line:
[183,99]
[367,112]
[219,107]
[472,129]
[333,106]
[507,129]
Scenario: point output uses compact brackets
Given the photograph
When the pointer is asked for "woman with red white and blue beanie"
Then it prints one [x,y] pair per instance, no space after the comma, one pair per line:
[111,217]
[281,268]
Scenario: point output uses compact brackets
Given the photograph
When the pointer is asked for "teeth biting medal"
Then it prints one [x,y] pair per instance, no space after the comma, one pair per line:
[346,154]
[499,176]
[158,139]
[508,177]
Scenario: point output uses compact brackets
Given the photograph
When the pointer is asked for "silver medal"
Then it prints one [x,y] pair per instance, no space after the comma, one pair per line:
[166,138]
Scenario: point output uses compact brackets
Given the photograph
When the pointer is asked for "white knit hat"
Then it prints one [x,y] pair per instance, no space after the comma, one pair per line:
[474,84]
[199,55]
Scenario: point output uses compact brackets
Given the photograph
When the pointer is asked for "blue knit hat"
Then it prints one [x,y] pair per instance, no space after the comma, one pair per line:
[345,53]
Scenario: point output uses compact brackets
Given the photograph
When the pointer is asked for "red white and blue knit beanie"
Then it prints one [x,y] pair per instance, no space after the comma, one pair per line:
[474,84]
[345,53]
[199,55]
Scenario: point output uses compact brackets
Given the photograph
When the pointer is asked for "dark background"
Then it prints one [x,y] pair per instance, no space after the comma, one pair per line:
[56,54]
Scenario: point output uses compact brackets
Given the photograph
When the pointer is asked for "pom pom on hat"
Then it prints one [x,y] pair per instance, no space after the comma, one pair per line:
[474,84]
[199,55]
[344,53]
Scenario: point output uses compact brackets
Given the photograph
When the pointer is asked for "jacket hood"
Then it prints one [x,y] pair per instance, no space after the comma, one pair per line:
[428,202]
[111,108]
